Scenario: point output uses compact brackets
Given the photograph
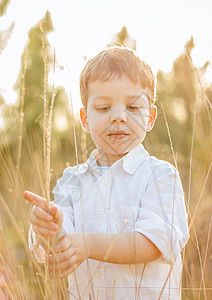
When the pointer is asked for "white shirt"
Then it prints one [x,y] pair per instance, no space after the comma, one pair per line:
[137,193]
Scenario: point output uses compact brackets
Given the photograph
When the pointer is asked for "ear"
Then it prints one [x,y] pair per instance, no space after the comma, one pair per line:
[152,117]
[83,118]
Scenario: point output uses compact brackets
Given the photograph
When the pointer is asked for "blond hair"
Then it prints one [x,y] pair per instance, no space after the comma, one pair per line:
[114,63]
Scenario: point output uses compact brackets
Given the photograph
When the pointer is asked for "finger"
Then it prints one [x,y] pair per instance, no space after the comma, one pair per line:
[68,271]
[62,244]
[53,211]
[61,257]
[43,223]
[35,199]
[57,214]
[41,214]
[65,266]
[43,231]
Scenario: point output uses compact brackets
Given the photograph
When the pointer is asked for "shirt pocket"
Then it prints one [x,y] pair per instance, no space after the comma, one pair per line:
[79,197]
[76,193]
[122,218]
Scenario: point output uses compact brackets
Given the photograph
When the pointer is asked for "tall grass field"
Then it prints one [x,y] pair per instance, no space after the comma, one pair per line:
[41,136]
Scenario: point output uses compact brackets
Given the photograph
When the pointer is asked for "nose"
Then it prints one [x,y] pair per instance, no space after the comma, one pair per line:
[119,115]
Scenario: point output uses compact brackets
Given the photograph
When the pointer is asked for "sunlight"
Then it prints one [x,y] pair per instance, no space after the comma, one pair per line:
[1,122]
[179,109]
[60,122]
[81,31]
[41,135]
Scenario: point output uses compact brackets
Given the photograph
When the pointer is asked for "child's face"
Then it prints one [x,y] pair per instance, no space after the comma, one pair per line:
[117,117]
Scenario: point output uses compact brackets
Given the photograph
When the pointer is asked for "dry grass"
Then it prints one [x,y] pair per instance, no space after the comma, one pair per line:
[22,278]
[20,275]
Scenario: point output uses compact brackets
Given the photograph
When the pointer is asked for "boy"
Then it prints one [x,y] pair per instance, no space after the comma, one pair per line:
[119,219]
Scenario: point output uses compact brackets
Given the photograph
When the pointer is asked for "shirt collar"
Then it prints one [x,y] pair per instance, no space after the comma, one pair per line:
[130,162]
[133,159]
[91,162]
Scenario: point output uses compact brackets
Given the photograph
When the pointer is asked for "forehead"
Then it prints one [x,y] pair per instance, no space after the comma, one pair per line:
[115,88]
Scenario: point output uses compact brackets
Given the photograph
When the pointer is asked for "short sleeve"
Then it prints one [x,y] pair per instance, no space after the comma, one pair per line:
[162,214]
[64,199]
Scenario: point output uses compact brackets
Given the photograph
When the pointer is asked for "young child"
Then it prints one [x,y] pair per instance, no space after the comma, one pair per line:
[119,220]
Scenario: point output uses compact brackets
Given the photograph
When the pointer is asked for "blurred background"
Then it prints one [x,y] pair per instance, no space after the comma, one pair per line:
[43,47]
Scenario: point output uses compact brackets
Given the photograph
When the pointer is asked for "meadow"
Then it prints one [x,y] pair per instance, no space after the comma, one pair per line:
[35,149]
[21,277]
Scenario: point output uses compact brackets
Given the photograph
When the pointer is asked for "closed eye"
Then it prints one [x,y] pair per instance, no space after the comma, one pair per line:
[133,107]
[102,108]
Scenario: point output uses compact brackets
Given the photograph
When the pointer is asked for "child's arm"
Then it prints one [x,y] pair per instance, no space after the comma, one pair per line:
[45,222]
[121,248]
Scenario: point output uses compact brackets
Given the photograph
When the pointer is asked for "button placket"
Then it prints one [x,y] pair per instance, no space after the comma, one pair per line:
[106,179]
[102,204]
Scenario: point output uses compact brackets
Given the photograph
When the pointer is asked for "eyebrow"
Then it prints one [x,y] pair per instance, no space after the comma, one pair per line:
[130,96]
[101,97]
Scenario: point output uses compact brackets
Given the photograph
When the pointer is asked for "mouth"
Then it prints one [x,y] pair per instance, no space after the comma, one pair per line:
[118,134]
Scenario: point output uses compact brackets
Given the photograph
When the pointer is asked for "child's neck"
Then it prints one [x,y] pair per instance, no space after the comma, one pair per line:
[104,159]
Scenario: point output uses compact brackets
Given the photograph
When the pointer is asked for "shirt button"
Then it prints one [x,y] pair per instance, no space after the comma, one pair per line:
[101,211]
[104,181]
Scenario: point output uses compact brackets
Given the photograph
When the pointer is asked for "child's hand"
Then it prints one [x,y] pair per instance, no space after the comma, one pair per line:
[44,222]
[69,253]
